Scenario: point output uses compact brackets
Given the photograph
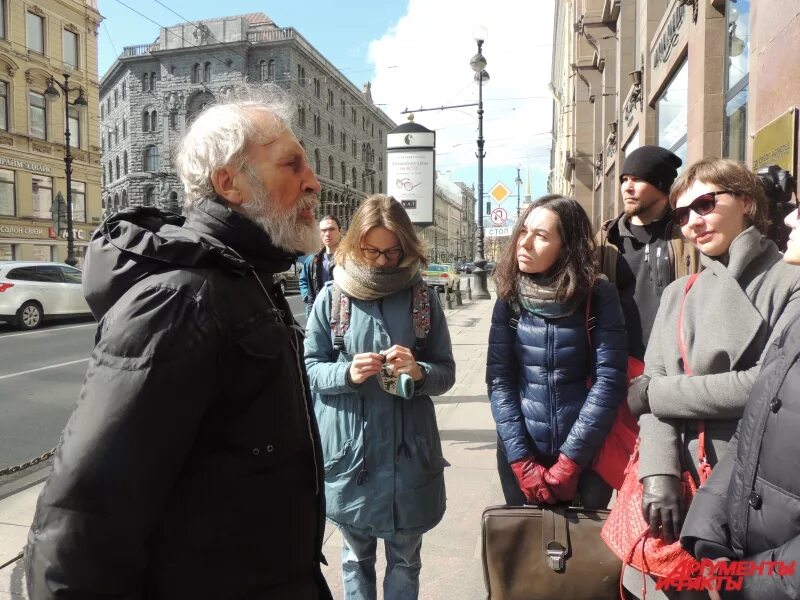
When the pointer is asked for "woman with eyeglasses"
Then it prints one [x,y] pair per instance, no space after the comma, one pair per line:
[377,348]
[698,376]
[749,510]
[557,359]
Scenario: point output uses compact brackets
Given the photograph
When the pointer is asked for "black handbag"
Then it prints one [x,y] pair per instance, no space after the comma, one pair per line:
[547,553]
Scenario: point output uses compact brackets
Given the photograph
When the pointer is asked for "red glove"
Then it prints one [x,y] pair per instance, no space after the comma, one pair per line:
[562,478]
[530,478]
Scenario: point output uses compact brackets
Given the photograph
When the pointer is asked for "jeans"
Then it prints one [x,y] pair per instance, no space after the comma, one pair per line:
[593,491]
[403,564]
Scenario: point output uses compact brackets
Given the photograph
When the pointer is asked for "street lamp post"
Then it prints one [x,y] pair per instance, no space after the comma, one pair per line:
[80,101]
[518,181]
[478,64]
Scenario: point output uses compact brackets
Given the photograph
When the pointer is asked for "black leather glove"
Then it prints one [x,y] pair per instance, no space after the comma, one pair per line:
[661,506]
[638,400]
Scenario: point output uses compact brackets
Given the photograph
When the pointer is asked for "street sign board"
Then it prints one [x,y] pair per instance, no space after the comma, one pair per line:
[499,216]
[496,232]
[499,192]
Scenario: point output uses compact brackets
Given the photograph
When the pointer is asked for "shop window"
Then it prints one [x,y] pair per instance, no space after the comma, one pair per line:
[737,54]
[672,113]
[7,252]
[7,193]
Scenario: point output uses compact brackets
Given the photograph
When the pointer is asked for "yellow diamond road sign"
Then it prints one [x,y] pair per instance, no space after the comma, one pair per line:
[499,192]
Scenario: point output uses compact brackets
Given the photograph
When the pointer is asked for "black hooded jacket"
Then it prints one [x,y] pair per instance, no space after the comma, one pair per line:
[191,466]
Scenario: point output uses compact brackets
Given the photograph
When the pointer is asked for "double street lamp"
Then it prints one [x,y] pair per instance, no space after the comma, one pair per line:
[80,102]
[478,64]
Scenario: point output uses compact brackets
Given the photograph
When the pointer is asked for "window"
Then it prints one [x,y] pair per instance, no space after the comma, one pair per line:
[353,148]
[34,30]
[124,90]
[7,203]
[102,142]
[146,82]
[109,139]
[331,133]
[110,172]
[363,123]
[116,98]
[271,71]
[146,120]
[173,202]
[124,128]
[79,200]
[151,158]
[330,99]
[343,170]
[317,165]
[42,194]
[7,252]
[75,127]
[263,73]
[353,179]
[353,115]
[380,136]
[108,105]
[102,110]
[124,199]
[380,162]
[149,196]
[69,48]
[301,117]
[195,76]
[343,141]
[330,167]
[116,167]
[70,274]
[341,106]
[125,162]
[737,78]
[301,75]
[173,120]
[3,105]
[207,72]
[116,134]
[672,111]
[153,120]
[317,125]
[2,28]
[152,82]
[316,87]
[37,115]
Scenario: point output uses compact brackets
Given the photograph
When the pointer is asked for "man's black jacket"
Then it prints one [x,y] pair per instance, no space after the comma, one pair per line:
[191,466]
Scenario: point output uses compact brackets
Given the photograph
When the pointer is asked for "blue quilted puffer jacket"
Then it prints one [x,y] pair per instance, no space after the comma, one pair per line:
[537,378]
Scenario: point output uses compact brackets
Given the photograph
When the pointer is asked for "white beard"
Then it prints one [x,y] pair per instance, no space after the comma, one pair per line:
[287,230]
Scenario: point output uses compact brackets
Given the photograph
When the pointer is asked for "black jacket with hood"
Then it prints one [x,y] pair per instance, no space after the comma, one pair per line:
[191,466]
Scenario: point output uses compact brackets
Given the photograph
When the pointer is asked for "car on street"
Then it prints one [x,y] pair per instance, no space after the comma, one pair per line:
[489,268]
[465,267]
[33,292]
[442,277]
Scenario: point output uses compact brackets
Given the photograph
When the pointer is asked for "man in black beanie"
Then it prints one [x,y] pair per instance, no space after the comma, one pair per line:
[641,251]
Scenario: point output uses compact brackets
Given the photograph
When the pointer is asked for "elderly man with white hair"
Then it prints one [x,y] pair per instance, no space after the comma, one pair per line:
[191,466]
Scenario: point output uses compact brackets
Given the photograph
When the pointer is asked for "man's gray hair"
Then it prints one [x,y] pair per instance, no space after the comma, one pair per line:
[220,134]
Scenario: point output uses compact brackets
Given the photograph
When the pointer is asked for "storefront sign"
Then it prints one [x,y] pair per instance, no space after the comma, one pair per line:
[671,37]
[23,164]
[9,230]
[22,230]
[775,143]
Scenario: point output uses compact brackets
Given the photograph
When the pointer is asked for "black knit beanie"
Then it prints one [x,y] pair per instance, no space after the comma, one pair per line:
[653,164]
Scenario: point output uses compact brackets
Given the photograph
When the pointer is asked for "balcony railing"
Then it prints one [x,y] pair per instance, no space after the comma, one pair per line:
[140,50]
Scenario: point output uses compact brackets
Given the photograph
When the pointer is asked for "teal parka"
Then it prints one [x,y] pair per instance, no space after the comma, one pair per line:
[364,428]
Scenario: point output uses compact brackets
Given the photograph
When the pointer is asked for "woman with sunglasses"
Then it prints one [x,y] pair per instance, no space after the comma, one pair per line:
[384,469]
[557,360]
[750,508]
[698,377]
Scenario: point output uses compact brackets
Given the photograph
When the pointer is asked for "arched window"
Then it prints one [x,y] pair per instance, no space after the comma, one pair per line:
[263,72]
[344,173]
[153,120]
[116,166]
[125,162]
[317,165]
[152,81]
[271,71]
[380,186]
[116,202]
[151,158]
[354,178]
[146,82]
[330,167]
[363,181]
[110,172]
[124,128]
[148,197]
[173,201]
[195,76]
[207,72]
[145,120]
[372,184]
[124,198]
[116,134]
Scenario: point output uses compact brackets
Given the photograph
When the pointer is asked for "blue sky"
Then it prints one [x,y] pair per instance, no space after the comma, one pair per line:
[416,53]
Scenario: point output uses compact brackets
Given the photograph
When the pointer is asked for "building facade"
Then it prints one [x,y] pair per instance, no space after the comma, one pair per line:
[702,78]
[39,43]
[153,91]
[450,238]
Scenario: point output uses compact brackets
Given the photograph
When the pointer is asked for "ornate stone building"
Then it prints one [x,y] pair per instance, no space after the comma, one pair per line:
[152,92]
[39,43]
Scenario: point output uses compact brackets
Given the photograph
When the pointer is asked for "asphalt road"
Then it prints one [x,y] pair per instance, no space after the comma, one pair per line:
[41,373]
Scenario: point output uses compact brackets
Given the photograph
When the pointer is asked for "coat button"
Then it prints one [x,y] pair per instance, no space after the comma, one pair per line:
[775,404]
[754,500]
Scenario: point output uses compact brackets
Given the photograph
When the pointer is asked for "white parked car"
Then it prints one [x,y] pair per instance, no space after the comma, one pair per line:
[443,277]
[31,292]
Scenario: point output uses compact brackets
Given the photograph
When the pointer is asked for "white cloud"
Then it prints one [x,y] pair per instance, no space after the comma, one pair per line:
[423,60]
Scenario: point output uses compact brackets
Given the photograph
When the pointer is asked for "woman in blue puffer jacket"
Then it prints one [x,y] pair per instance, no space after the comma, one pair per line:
[553,396]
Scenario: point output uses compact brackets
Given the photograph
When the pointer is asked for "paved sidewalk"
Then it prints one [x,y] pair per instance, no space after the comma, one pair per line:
[451,554]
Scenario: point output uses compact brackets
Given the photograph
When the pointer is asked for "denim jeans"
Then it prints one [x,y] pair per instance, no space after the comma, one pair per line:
[403,564]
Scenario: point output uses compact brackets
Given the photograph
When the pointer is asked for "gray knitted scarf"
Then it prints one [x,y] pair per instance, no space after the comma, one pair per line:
[370,283]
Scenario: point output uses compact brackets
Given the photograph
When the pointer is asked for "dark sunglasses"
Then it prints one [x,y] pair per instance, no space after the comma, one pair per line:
[702,205]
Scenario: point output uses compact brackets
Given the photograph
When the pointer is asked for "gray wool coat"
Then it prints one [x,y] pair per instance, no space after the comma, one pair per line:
[731,315]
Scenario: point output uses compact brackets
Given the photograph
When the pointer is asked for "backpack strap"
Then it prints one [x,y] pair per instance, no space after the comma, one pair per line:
[421,313]
[340,316]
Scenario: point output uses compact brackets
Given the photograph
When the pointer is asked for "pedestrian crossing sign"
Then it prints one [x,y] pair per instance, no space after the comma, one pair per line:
[499,192]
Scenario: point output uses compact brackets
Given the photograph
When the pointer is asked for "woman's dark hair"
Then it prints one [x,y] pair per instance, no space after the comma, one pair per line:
[574,271]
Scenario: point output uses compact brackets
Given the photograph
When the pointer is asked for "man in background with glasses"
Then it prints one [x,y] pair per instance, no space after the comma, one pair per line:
[318,268]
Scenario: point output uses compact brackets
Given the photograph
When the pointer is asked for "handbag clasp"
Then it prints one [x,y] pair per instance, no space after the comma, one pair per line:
[556,555]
